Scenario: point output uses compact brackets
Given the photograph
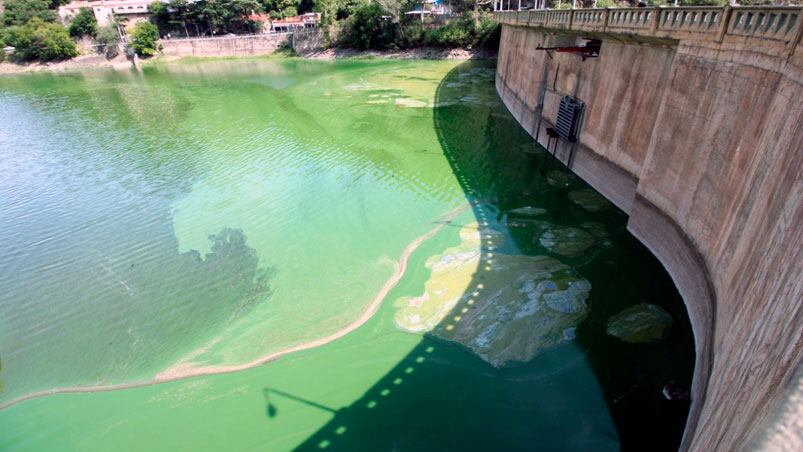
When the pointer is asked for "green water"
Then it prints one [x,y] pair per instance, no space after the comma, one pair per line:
[205,215]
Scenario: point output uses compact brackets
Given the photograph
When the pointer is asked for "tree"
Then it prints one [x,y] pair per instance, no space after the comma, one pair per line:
[83,24]
[143,39]
[279,9]
[109,39]
[370,27]
[40,40]
[19,12]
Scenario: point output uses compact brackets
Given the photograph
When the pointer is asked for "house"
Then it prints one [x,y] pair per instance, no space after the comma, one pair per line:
[125,12]
[309,20]
[262,19]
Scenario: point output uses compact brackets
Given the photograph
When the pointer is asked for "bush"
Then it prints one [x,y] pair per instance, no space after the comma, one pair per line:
[83,24]
[108,39]
[468,31]
[40,40]
[606,4]
[488,32]
[410,34]
[19,12]
[143,39]
[370,27]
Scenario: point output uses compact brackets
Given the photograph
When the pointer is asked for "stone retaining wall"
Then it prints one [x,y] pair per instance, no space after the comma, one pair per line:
[225,45]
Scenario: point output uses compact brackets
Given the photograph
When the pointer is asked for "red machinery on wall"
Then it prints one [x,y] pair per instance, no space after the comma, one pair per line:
[589,50]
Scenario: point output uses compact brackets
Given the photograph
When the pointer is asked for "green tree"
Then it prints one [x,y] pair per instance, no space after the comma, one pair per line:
[19,12]
[144,37]
[83,24]
[40,40]
[605,4]
[279,9]
[108,39]
[370,27]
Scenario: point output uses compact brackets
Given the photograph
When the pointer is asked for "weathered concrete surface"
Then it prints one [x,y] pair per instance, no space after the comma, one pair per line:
[264,44]
[701,144]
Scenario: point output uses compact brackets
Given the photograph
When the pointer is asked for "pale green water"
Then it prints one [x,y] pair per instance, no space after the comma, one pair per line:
[212,213]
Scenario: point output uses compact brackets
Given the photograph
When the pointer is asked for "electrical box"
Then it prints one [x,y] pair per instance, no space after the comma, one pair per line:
[569,114]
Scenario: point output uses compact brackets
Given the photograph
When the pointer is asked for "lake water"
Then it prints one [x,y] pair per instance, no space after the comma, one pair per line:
[197,219]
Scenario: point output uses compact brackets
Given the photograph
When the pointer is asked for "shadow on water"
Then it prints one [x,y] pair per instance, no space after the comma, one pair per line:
[578,388]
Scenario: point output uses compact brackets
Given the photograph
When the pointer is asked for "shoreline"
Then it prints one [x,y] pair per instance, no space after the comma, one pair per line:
[77,63]
[120,62]
[182,371]
[418,53]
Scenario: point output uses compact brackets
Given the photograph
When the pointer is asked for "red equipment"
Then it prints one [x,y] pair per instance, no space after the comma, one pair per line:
[590,50]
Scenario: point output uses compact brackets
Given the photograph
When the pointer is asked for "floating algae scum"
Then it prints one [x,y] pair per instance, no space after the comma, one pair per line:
[410,269]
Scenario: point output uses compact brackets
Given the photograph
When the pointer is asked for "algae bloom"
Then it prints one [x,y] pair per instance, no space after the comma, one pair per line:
[526,304]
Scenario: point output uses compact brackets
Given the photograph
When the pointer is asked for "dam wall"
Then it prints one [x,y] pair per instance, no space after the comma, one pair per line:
[693,125]
[263,44]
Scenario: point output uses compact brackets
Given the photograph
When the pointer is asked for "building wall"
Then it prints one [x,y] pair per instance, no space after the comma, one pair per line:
[224,46]
[701,143]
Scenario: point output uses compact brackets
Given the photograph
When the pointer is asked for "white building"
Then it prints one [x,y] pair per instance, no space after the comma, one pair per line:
[106,11]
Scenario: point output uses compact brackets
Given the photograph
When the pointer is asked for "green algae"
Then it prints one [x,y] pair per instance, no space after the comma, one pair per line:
[525,305]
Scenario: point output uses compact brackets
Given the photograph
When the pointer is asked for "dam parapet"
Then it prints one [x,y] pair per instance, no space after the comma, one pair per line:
[692,123]
[782,26]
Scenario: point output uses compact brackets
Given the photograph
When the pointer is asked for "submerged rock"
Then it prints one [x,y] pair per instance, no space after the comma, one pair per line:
[410,103]
[522,306]
[642,323]
[589,200]
[566,241]
[527,211]
[560,179]
[596,229]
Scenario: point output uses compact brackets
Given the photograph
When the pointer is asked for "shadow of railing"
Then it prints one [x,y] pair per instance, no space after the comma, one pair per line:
[580,389]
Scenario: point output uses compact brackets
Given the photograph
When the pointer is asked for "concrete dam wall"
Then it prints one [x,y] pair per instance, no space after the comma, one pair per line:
[693,125]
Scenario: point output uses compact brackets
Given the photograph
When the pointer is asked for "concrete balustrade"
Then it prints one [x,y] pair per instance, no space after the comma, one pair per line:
[691,23]
[777,23]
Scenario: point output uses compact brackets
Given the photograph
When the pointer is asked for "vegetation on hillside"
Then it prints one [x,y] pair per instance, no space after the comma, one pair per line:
[205,17]
[30,27]
[19,12]
[108,40]
[372,27]
[83,24]
[39,40]
[143,39]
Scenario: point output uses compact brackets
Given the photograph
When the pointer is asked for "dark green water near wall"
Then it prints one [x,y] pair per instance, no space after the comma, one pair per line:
[203,215]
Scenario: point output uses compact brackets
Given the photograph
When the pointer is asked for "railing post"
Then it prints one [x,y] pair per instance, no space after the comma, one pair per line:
[726,18]
[571,18]
[798,35]
[656,13]
[607,17]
